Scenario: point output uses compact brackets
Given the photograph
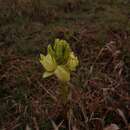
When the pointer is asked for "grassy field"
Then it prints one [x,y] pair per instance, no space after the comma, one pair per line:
[99,33]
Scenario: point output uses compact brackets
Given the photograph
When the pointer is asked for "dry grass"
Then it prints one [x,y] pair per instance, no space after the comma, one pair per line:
[100,87]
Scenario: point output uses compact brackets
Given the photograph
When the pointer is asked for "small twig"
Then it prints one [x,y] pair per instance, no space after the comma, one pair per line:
[52,96]
[92,66]
[55,126]
[85,117]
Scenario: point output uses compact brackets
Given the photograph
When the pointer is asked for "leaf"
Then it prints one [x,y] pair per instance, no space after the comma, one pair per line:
[47,74]
[62,74]
[112,127]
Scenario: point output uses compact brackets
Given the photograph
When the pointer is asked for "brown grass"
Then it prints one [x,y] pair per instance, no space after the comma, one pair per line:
[100,86]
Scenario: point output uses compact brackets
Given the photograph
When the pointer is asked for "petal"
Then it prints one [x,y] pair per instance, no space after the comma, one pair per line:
[47,74]
[66,52]
[72,62]
[48,62]
[51,51]
[42,59]
[42,56]
[62,74]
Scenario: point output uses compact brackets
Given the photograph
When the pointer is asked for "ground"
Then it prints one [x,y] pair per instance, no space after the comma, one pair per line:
[99,33]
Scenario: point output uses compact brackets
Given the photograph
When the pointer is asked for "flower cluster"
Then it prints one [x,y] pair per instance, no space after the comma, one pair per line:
[60,60]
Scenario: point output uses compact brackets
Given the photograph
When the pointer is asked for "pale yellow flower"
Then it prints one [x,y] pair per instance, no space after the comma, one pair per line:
[59,61]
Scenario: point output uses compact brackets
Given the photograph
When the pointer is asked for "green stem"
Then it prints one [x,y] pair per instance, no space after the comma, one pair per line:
[64,92]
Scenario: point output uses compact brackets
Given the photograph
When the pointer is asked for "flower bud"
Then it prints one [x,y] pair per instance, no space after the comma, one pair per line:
[62,50]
